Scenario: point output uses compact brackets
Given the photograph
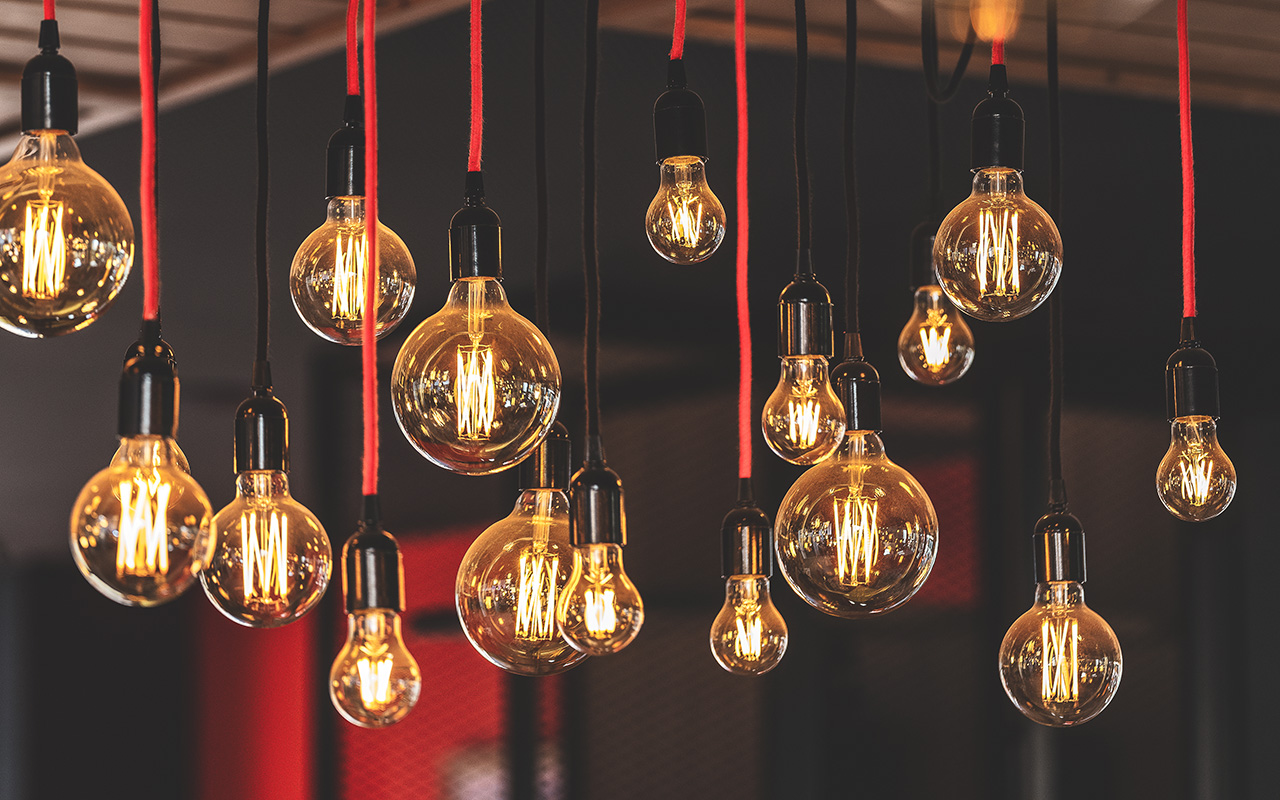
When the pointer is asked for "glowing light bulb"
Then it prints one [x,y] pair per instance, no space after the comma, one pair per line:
[374,681]
[140,527]
[803,421]
[328,274]
[685,222]
[749,636]
[936,346]
[1195,480]
[1060,662]
[600,609]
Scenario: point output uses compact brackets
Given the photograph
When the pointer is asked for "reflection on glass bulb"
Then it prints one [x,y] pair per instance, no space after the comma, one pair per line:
[749,636]
[271,557]
[476,386]
[998,254]
[936,346]
[66,240]
[856,535]
[600,609]
[511,580]
[1060,662]
[803,420]
[685,222]
[329,270]
[375,681]
[1195,479]
[140,527]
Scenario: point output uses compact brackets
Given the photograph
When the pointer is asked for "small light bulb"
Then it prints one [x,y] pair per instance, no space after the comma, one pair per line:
[936,346]
[685,222]
[374,681]
[1060,662]
[749,636]
[68,239]
[1195,480]
[803,420]
[600,610]
[140,527]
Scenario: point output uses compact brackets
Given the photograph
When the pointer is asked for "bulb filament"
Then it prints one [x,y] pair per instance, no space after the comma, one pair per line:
[374,669]
[747,643]
[601,618]
[350,258]
[1059,678]
[934,346]
[856,540]
[44,249]
[997,265]
[684,214]
[476,392]
[536,604]
[1196,470]
[263,539]
[143,547]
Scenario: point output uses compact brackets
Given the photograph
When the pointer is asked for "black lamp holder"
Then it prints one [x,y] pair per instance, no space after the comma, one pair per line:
[998,127]
[1059,546]
[262,428]
[344,158]
[858,387]
[475,235]
[595,500]
[148,386]
[679,118]
[1191,377]
[746,537]
[548,466]
[50,93]
[805,313]
[372,568]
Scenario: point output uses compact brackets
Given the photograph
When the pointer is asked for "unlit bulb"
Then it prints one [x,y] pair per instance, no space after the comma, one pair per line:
[1195,479]
[685,221]
[600,611]
[749,636]
[936,346]
[374,681]
[803,420]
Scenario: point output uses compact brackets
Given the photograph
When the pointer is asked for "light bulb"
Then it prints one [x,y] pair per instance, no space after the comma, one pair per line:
[374,681]
[510,582]
[140,527]
[600,609]
[936,346]
[1060,662]
[749,636]
[66,240]
[329,270]
[803,420]
[685,222]
[1195,479]
[476,386]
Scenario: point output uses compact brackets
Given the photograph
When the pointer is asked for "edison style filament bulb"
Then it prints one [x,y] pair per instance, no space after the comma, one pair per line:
[271,557]
[856,535]
[600,610]
[1195,479]
[1060,662]
[510,582]
[803,420]
[140,527]
[328,275]
[936,346]
[998,254]
[66,240]
[685,222]
[374,681]
[476,386]
[749,636]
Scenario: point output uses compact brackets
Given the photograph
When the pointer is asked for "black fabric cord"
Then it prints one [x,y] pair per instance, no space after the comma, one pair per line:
[264,281]
[929,53]
[591,258]
[541,290]
[803,200]
[1057,487]
[850,167]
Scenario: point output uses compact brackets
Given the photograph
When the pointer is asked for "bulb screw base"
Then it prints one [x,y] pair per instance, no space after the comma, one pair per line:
[548,466]
[805,314]
[999,130]
[1059,547]
[746,537]
[1191,378]
[372,567]
[596,513]
[921,257]
[858,387]
[262,433]
[344,158]
[475,236]
[50,92]
[679,118]
[148,387]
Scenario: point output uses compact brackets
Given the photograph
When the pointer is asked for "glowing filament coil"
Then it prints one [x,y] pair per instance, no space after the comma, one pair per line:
[935,340]
[685,216]
[474,391]
[804,418]
[374,668]
[1059,678]
[143,547]
[44,250]
[263,541]
[350,258]
[600,616]
[1197,477]
[536,603]
[997,263]
[856,540]
[747,644]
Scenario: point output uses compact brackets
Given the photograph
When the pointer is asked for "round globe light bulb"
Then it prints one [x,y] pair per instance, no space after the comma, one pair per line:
[936,346]
[803,421]
[749,636]
[685,222]
[374,681]
[1195,479]
[600,611]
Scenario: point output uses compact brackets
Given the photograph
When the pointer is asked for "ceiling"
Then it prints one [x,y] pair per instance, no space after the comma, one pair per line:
[1122,46]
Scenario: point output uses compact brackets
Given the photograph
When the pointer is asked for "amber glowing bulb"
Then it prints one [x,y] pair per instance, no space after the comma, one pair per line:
[748,636]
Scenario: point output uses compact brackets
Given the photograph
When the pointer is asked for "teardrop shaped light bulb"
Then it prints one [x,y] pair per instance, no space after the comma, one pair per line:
[936,345]
[375,681]
[600,611]
[749,636]
[1195,480]
[803,421]
[685,222]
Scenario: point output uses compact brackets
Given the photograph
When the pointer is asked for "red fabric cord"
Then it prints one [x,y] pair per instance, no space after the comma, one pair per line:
[353,48]
[477,91]
[368,334]
[744,239]
[150,266]
[677,35]
[50,9]
[1188,168]
[997,50]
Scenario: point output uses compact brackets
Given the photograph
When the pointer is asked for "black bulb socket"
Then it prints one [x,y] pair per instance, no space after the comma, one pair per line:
[50,92]
[149,387]
[1191,378]
[549,465]
[921,257]
[805,314]
[679,118]
[1059,547]
[746,537]
[596,514]
[262,433]
[372,568]
[999,130]
[858,387]
[344,158]
[475,236]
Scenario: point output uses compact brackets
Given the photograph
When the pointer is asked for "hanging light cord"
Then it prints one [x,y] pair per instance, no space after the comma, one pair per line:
[590,258]
[149,79]
[677,33]
[744,240]
[542,310]
[801,144]
[1057,487]
[850,167]
[997,50]
[50,9]
[264,173]
[1188,167]
[368,334]
[477,90]
[929,52]
[353,47]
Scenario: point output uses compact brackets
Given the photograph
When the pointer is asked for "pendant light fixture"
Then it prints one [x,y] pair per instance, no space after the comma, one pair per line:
[140,527]
[685,221]
[374,681]
[476,386]
[748,636]
[514,574]
[1195,479]
[326,279]
[69,239]
[271,556]
[600,610]
[1060,662]
[856,535]
[803,421]
[998,254]
[935,347]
